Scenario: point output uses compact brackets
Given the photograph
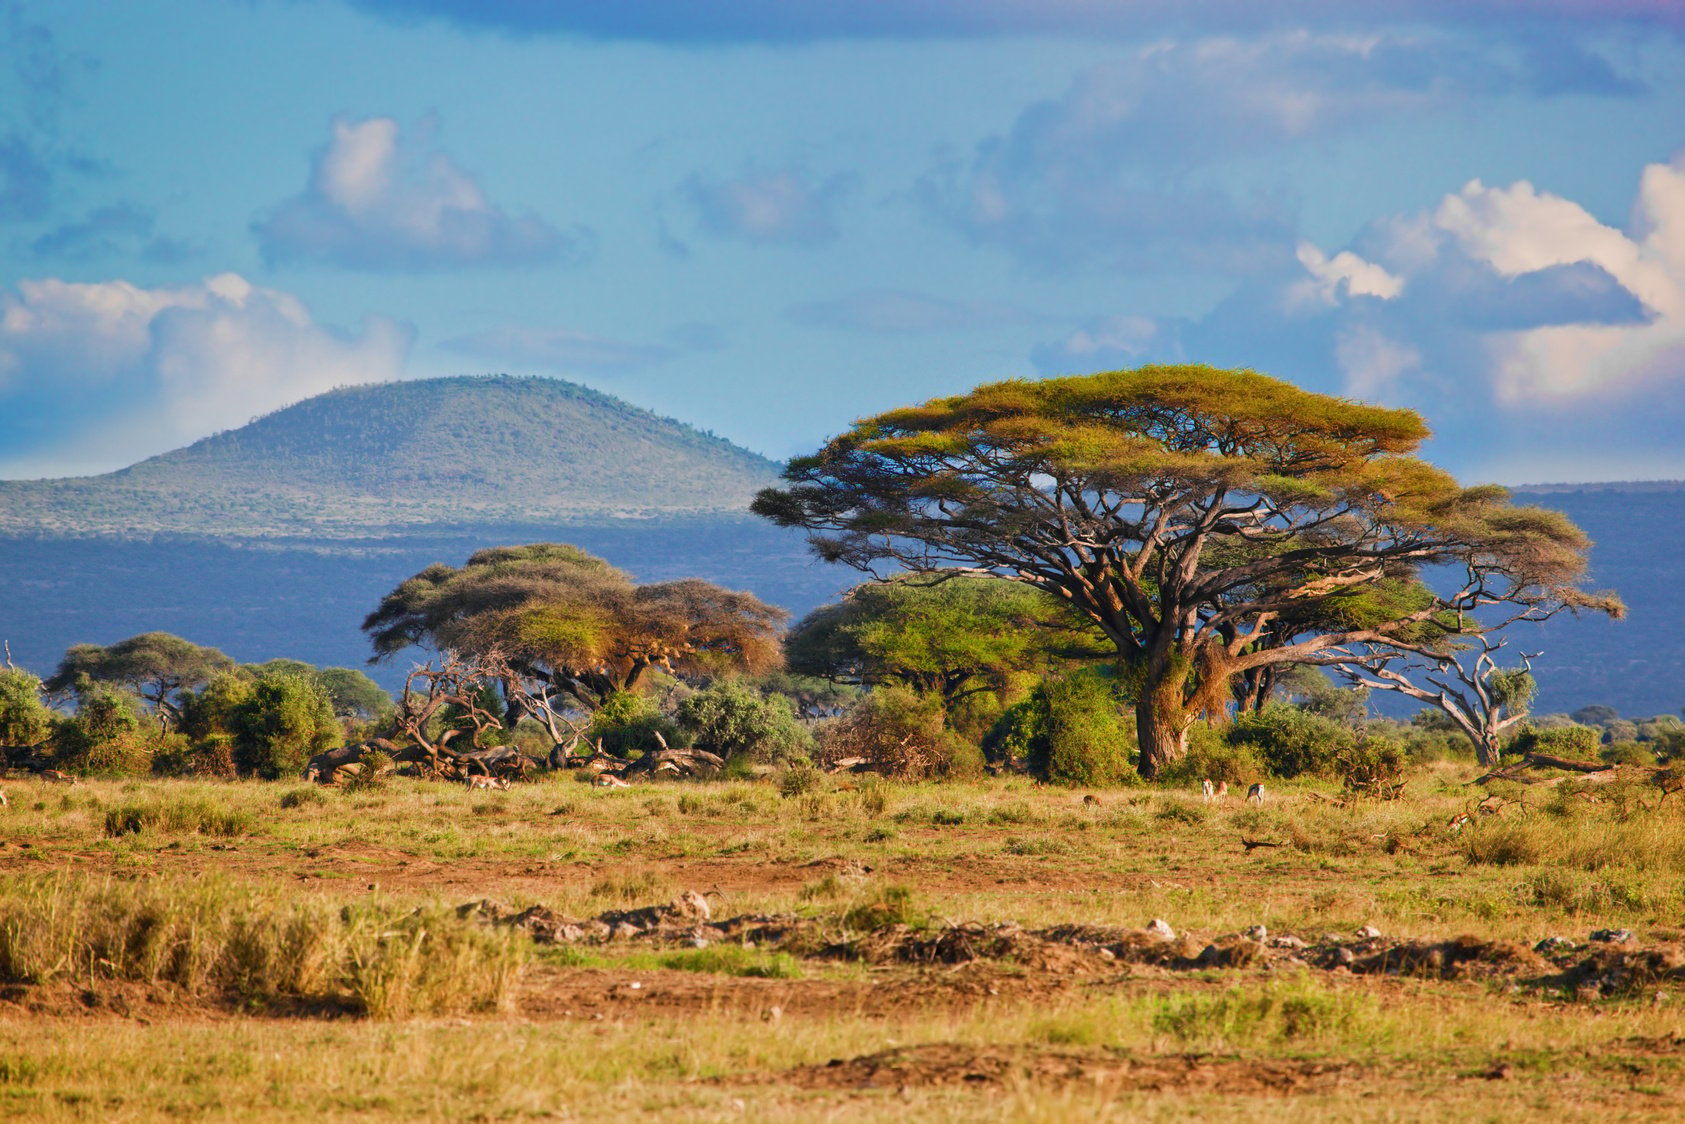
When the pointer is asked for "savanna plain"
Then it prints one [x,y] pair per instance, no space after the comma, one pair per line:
[844,949]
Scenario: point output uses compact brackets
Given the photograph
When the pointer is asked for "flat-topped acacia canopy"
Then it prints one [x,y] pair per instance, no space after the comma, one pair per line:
[1187,511]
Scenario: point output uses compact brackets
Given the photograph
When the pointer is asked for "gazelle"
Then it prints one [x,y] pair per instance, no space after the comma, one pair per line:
[609,780]
[1255,794]
[1207,790]
[476,780]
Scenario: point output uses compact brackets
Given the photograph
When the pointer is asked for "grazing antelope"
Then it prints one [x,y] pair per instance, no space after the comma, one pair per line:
[475,780]
[1458,822]
[609,780]
[1255,794]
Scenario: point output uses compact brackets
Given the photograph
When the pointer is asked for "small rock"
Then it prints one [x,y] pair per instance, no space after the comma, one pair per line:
[1106,954]
[772,1014]
[1257,933]
[1161,929]
[1613,936]
[1369,932]
[635,985]
[1551,945]
[1287,940]
[1344,957]
[698,942]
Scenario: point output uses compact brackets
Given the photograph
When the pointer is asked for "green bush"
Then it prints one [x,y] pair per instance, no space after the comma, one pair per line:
[1580,743]
[285,721]
[628,723]
[24,718]
[1291,741]
[1069,731]
[732,719]
[105,736]
[1211,756]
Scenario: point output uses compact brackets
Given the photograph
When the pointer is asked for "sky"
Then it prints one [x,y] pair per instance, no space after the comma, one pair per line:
[768,218]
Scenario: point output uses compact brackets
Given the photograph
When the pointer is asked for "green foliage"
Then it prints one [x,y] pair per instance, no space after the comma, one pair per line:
[157,666]
[953,638]
[1069,731]
[732,719]
[286,720]
[1575,742]
[354,695]
[24,718]
[627,723]
[1291,741]
[104,735]
[1213,756]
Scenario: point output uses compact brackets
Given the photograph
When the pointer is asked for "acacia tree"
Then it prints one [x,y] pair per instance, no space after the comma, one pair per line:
[158,666]
[1183,510]
[949,638]
[571,628]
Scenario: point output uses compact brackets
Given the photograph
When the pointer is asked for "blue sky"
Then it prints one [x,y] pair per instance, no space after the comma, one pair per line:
[770,217]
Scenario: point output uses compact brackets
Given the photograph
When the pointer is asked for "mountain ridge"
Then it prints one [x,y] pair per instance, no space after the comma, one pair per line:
[412,454]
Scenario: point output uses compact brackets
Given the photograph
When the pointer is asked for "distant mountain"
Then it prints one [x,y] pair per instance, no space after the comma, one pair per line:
[409,456]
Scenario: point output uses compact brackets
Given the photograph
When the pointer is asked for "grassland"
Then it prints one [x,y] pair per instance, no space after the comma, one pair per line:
[948,952]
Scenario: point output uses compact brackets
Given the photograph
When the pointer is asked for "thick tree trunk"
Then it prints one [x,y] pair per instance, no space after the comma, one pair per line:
[1162,720]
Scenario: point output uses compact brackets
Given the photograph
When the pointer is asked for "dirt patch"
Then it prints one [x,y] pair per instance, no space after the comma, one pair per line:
[954,1064]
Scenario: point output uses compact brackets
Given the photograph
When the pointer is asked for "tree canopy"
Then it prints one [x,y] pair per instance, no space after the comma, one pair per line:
[1208,522]
[573,624]
[950,638]
[157,666]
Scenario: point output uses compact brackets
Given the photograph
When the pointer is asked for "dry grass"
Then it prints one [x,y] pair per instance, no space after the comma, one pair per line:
[244,901]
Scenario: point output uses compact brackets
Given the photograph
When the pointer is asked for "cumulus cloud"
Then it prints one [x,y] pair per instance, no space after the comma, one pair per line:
[1132,166]
[153,369]
[1108,343]
[685,21]
[379,200]
[893,312]
[560,349]
[769,207]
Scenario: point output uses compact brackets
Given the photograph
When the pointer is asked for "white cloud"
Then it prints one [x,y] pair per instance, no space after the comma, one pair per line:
[770,207]
[1343,275]
[381,201]
[155,369]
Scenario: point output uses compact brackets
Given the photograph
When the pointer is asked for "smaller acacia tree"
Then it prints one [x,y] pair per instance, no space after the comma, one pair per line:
[157,666]
[563,629]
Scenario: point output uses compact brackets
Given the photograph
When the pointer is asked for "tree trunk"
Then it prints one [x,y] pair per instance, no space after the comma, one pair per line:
[1162,720]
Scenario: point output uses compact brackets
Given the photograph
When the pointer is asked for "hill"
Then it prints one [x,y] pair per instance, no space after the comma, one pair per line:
[409,456]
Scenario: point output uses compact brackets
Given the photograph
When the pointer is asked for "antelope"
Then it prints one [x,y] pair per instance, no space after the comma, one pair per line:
[3,801]
[475,780]
[1222,790]
[1256,794]
[53,776]
[609,780]
[1207,790]
[1458,822]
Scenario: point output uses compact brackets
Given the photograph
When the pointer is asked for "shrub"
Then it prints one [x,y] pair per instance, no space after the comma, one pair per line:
[894,731]
[627,723]
[731,719]
[1212,756]
[1069,731]
[1373,766]
[1576,742]
[24,718]
[104,735]
[286,720]
[1292,741]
